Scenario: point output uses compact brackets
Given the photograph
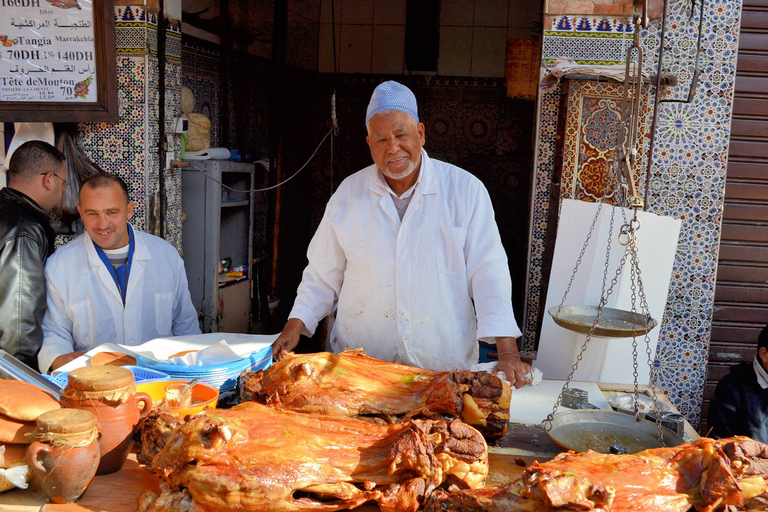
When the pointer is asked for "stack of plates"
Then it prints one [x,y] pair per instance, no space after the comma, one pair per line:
[139,374]
[222,376]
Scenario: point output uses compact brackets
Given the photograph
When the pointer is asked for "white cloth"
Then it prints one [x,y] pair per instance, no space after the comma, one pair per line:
[85,308]
[762,375]
[404,290]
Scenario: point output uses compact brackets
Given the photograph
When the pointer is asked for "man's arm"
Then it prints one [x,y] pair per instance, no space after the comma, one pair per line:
[320,285]
[516,371]
[491,288]
[288,339]
[57,328]
[23,299]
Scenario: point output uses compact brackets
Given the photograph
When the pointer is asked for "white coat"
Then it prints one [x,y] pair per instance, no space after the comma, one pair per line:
[404,290]
[85,308]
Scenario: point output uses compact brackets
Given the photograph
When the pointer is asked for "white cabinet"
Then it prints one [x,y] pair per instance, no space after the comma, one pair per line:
[218,226]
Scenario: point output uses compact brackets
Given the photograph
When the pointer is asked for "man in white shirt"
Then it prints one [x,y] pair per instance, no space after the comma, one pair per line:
[112,283]
[409,256]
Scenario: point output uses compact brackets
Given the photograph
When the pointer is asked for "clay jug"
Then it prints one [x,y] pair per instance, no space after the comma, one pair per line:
[65,453]
[109,393]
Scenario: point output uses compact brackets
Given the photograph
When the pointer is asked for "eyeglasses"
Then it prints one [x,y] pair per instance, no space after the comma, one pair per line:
[62,179]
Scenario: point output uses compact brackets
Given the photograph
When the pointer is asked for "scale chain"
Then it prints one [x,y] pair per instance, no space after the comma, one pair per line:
[547,423]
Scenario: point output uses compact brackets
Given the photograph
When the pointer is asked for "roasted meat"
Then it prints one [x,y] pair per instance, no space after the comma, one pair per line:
[260,458]
[705,475]
[351,384]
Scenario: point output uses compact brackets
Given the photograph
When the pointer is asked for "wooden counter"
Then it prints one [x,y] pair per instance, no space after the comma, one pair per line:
[117,492]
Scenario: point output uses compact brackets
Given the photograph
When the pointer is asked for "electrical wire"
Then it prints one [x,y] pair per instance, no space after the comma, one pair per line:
[192,166]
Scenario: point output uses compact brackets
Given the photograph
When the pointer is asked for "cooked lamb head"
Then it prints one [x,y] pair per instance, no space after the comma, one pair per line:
[256,457]
[352,384]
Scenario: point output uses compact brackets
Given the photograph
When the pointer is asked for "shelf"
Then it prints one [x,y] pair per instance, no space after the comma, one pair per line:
[224,281]
[226,204]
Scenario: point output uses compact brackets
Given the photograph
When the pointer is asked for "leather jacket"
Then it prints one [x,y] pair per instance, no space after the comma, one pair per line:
[26,241]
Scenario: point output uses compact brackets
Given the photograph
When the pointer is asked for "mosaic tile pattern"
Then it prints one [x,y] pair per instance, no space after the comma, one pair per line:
[587,40]
[687,181]
[592,136]
[131,30]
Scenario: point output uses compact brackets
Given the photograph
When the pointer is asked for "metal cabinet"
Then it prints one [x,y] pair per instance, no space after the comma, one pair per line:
[218,226]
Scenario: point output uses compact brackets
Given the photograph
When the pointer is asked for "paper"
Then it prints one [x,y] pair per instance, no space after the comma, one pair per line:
[243,345]
[534,376]
[208,154]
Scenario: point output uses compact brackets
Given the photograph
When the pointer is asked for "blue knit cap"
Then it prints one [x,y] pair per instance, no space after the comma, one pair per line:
[392,96]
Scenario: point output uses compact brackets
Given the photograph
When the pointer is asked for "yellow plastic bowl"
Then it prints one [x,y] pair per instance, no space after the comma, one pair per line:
[156,389]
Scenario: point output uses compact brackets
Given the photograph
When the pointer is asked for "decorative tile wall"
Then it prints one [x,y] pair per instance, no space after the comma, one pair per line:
[687,176]
[591,137]
[128,147]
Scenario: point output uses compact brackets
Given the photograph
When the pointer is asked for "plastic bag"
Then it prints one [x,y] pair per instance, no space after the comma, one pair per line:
[79,168]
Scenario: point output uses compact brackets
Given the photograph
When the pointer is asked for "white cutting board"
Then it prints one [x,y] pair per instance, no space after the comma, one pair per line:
[530,405]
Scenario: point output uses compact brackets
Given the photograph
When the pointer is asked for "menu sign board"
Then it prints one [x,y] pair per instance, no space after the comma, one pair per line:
[53,56]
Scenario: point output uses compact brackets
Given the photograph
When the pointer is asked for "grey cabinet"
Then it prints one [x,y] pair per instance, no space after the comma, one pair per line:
[218,226]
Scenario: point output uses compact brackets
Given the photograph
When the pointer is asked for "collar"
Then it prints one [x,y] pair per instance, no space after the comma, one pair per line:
[23,200]
[762,375]
[140,251]
[426,181]
[121,274]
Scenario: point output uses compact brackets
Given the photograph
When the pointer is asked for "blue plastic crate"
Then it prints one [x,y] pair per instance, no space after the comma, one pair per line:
[139,374]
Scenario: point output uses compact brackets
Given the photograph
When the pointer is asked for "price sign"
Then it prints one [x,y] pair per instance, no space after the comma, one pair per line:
[57,52]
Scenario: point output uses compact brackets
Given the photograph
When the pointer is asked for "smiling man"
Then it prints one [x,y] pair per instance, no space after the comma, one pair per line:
[113,283]
[409,257]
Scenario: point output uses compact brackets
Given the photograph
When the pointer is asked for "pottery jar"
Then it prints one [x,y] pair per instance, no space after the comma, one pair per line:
[109,393]
[65,453]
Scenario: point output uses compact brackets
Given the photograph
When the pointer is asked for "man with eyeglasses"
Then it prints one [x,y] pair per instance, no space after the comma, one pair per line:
[37,175]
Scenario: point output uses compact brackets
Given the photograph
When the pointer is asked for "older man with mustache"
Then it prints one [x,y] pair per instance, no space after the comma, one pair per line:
[409,257]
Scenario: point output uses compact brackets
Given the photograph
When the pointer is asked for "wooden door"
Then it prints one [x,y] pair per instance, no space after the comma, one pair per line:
[741,292]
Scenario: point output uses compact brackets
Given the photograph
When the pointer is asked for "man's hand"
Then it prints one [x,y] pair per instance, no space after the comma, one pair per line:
[64,359]
[288,339]
[516,371]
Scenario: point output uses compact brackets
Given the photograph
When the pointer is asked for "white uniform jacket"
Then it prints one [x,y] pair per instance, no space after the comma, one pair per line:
[404,291]
[85,308]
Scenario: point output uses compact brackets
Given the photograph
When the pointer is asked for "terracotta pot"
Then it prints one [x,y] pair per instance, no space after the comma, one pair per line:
[116,421]
[63,472]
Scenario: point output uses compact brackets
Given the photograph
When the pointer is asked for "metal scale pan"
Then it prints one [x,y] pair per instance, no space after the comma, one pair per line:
[614,323]
[597,430]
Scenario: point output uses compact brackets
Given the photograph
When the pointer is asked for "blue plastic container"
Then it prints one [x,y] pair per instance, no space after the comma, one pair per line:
[222,376]
[139,374]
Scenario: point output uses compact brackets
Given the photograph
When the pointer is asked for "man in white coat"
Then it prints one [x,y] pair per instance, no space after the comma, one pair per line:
[112,283]
[409,255]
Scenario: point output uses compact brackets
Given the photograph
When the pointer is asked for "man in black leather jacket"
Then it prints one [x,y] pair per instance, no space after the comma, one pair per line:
[37,175]
[740,403]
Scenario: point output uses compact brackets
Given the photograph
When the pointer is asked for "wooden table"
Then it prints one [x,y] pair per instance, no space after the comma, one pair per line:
[117,492]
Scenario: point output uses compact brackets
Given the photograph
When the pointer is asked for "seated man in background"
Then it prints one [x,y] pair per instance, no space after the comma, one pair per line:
[740,403]
[112,283]
[37,174]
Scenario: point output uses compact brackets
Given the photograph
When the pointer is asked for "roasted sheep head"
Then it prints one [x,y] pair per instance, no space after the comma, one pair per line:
[706,475]
[353,385]
[260,458]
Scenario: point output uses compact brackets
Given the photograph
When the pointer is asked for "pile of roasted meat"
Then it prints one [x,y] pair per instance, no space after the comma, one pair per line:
[353,385]
[706,475]
[330,432]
